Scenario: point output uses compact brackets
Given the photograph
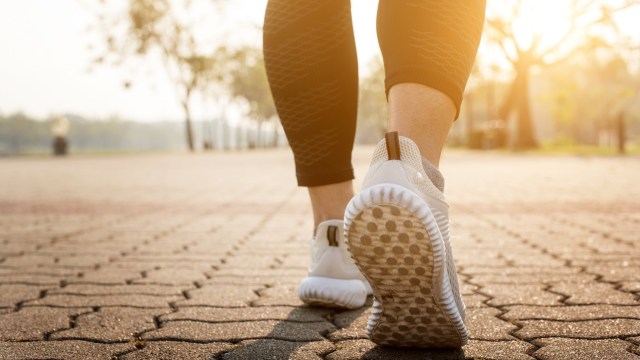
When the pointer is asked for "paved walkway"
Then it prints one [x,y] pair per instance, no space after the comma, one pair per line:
[198,257]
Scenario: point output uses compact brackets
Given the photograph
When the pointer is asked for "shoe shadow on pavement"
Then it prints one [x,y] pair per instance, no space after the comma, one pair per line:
[383,352]
[316,332]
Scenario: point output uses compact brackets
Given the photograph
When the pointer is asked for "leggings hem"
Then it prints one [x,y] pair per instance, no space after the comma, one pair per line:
[324,178]
[428,78]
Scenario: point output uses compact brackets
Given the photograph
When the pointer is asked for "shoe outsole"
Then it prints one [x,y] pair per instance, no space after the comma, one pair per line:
[394,239]
[334,293]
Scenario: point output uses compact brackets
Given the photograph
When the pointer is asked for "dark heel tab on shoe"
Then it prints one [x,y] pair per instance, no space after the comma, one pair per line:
[332,235]
[393,145]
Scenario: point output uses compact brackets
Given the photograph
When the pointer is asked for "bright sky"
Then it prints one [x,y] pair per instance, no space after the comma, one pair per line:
[44,59]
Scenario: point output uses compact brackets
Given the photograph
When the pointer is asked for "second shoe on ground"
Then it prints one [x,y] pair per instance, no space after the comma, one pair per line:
[333,279]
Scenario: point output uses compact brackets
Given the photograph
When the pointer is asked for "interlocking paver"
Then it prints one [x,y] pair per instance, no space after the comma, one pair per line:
[171,350]
[484,325]
[111,324]
[192,261]
[32,323]
[71,350]
[152,301]
[591,329]
[130,289]
[365,349]
[570,349]
[593,293]
[14,293]
[586,312]
[513,294]
[279,349]
[214,314]
[351,324]
[220,295]
[279,294]
[234,331]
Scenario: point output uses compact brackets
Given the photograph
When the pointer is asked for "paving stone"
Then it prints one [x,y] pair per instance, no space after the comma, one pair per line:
[585,312]
[590,329]
[82,260]
[10,294]
[28,261]
[130,289]
[220,295]
[467,289]
[170,350]
[498,350]
[570,349]
[234,331]
[593,293]
[484,325]
[30,279]
[475,300]
[631,286]
[616,273]
[520,295]
[32,323]
[111,324]
[250,280]
[366,350]
[283,295]
[137,300]
[248,262]
[278,349]
[351,324]
[211,314]
[522,270]
[286,272]
[183,276]
[69,350]
[110,275]
[530,278]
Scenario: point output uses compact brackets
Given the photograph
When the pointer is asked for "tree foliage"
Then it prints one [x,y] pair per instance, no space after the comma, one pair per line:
[166,29]
[589,25]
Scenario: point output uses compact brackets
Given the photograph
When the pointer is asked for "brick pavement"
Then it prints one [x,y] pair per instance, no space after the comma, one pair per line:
[198,257]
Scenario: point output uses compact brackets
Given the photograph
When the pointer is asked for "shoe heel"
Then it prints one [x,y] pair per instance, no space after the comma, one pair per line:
[395,242]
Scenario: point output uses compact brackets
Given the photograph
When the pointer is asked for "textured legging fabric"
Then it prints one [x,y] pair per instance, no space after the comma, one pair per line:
[311,63]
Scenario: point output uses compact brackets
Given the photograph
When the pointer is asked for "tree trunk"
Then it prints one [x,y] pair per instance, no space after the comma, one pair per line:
[187,122]
[525,134]
[621,134]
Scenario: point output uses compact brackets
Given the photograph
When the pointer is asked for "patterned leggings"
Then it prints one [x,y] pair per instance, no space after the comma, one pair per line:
[311,62]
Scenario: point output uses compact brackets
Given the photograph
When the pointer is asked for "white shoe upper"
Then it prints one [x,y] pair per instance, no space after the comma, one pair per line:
[330,257]
[409,173]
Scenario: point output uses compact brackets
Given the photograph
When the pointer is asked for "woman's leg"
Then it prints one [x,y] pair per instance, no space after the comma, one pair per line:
[312,67]
[428,47]
[398,226]
[311,63]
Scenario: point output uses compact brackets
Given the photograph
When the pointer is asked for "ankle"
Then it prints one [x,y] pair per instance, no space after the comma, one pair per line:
[328,202]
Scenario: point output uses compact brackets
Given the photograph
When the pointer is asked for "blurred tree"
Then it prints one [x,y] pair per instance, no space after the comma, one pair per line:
[165,28]
[525,42]
[372,106]
[597,89]
[246,79]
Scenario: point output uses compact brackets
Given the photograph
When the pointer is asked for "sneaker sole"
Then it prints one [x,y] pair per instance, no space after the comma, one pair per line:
[395,242]
[330,292]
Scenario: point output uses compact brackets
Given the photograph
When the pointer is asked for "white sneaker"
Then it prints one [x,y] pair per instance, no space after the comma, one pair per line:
[333,279]
[398,233]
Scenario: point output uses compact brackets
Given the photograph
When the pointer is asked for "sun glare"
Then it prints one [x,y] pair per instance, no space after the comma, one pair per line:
[541,20]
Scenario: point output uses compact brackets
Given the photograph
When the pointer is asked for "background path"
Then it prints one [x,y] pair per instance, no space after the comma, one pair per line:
[198,257]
